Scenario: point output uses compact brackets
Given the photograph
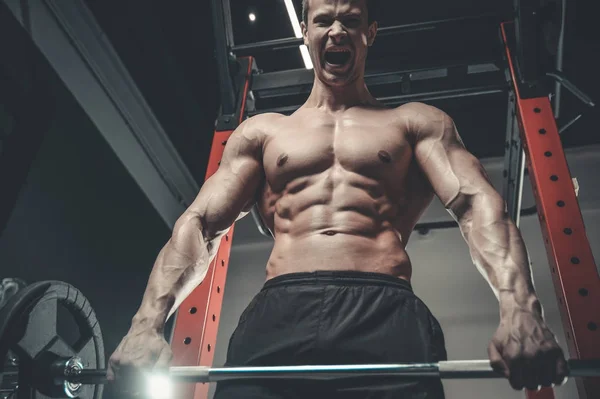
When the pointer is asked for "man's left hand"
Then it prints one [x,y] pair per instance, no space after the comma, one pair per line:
[526,352]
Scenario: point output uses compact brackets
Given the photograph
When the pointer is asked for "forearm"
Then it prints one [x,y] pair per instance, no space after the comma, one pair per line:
[179,268]
[498,250]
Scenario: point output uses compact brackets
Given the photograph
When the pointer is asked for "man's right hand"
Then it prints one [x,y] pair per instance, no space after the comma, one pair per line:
[140,350]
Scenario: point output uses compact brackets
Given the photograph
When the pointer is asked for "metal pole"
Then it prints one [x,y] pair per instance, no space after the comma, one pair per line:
[228,23]
[559,59]
[279,44]
[400,99]
[518,183]
[443,94]
[455,369]
[267,45]
[576,91]
[514,163]
[430,25]
[221,54]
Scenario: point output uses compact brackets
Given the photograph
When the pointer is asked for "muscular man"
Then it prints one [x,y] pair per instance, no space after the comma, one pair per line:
[342,183]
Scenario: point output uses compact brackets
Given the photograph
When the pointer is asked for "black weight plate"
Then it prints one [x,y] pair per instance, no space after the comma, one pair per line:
[13,311]
[9,287]
[41,337]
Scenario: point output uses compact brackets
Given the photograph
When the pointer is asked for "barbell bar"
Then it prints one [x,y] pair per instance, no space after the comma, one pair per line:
[454,369]
[47,363]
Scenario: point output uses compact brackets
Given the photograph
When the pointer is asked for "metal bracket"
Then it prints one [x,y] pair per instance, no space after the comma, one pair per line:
[260,224]
[226,122]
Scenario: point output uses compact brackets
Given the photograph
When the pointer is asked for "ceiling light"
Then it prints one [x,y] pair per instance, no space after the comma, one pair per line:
[252,17]
[298,33]
[293,18]
[306,57]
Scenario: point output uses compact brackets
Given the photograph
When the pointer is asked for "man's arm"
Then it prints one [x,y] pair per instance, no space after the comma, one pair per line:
[463,187]
[523,343]
[183,262]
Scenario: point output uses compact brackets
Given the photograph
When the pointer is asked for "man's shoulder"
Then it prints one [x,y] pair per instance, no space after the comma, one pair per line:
[257,127]
[421,111]
[422,119]
[264,121]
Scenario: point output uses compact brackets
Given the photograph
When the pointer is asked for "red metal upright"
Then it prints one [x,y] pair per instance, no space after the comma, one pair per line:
[574,272]
[195,331]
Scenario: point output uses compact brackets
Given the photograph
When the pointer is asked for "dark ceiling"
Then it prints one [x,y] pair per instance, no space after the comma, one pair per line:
[168,48]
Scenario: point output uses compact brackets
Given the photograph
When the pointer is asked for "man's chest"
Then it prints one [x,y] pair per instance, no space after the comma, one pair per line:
[309,146]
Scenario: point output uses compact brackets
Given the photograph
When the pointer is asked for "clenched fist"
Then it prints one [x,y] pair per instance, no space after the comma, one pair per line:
[140,350]
[526,352]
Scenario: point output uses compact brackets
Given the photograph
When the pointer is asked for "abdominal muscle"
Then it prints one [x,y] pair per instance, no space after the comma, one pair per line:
[339,251]
[339,229]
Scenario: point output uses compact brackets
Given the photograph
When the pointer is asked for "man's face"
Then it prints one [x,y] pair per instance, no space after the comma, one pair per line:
[337,34]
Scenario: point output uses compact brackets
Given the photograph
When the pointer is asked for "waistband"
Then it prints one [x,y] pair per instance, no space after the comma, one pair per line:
[346,277]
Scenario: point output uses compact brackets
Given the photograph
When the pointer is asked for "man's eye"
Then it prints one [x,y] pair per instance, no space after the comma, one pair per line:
[352,23]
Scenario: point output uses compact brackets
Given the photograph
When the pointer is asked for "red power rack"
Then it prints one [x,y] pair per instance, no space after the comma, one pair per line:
[575,277]
[574,273]
[197,324]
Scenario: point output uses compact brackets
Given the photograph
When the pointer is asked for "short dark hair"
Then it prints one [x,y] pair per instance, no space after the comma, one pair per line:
[370,10]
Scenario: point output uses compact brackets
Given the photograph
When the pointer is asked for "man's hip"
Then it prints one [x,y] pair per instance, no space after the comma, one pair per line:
[331,317]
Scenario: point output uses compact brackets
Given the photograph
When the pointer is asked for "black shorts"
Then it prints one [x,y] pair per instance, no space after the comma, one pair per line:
[335,318]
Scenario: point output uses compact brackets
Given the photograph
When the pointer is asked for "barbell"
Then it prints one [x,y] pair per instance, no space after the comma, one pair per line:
[71,370]
[51,364]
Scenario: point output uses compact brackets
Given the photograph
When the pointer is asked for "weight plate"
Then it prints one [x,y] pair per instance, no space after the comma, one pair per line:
[9,287]
[53,320]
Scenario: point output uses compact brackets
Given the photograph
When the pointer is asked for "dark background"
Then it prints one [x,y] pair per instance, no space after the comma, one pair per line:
[81,218]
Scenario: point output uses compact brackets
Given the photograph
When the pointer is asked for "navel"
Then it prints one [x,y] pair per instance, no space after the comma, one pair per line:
[384,156]
[282,159]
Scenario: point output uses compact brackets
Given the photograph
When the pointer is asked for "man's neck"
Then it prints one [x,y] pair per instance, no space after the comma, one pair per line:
[339,98]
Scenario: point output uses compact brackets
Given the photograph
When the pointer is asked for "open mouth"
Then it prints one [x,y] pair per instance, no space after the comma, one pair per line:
[337,57]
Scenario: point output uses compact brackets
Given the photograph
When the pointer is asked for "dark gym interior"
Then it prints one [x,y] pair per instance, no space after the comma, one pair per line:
[71,210]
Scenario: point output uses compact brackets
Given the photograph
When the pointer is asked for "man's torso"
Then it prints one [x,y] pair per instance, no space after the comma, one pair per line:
[341,191]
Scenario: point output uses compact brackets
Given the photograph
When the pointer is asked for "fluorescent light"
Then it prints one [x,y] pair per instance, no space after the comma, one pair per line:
[298,33]
[306,57]
[252,17]
[293,18]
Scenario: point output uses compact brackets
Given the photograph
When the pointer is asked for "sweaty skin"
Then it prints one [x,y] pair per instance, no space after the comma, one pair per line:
[341,183]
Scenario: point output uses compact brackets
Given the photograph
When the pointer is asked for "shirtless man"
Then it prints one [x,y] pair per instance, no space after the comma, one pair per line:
[341,184]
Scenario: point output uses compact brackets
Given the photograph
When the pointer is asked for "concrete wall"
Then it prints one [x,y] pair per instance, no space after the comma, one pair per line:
[445,279]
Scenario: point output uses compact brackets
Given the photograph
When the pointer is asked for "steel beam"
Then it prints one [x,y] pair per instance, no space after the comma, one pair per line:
[222,57]
[443,94]
[402,99]
[280,44]
[228,23]
[305,77]
[528,42]
[560,51]
[453,81]
[75,46]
